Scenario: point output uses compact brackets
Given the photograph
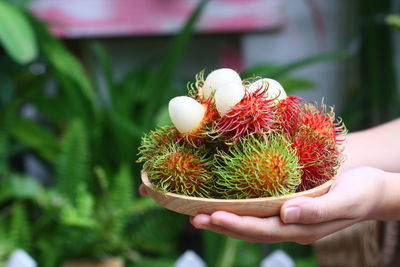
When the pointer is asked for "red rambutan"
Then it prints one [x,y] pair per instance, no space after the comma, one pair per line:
[323,122]
[254,114]
[319,156]
[288,113]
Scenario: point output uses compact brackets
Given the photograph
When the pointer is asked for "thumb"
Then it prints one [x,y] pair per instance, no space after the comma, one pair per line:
[309,210]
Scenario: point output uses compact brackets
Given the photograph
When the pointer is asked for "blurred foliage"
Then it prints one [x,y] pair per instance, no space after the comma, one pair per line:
[86,140]
[393,20]
[85,131]
[376,99]
[16,34]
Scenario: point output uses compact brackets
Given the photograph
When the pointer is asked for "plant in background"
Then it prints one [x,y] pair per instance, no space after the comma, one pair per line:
[86,143]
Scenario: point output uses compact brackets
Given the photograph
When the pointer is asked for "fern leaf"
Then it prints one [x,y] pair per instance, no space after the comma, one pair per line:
[156,231]
[81,212]
[72,166]
[121,191]
[20,232]
[3,152]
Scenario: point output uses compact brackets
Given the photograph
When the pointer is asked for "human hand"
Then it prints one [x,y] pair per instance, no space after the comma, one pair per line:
[354,196]
[142,190]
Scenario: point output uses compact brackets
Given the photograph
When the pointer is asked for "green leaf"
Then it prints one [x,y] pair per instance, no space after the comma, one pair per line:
[162,118]
[34,136]
[228,252]
[294,84]
[393,20]
[65,64]
[20,187]
[16,34]
[80,212]
[20,231]
[157,84]
[126,125]
[106,73]
[7,88]
[121,193]
[265,70]
[274,70]
[4,152]
[72,167]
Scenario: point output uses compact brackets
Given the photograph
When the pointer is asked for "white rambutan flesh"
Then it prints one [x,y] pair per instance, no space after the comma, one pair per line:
[227,96]
[186,113]
[273,89]
[218,78]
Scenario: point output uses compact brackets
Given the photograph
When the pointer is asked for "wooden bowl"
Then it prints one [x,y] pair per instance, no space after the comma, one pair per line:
[259,207]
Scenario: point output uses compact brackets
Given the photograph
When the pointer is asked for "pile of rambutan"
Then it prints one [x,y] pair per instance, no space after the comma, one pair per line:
[239,139]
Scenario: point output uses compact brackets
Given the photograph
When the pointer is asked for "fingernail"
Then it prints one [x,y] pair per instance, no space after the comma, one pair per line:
[291,215]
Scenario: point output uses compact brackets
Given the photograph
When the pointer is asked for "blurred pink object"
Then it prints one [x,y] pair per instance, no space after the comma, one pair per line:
[89,18]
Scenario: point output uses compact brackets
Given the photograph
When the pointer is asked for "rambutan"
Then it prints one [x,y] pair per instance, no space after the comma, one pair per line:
[154,143]
[258,167]
[193,120]
[318,154]
[254,114]
[288,113]
[203,132]
[323,122]
[182,170]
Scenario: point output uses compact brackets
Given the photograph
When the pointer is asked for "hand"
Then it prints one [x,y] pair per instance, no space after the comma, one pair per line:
[142,190]
[354,196]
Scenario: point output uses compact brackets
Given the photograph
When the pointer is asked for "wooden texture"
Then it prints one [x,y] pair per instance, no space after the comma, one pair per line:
[259,207]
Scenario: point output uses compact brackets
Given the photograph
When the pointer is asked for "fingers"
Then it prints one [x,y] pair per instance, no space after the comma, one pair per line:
[310,210]
[353,195]
[266,230]
[203,221]
[142,190]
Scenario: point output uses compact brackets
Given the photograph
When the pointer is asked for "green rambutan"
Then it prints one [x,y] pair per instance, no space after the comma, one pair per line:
[182,170]
[258,167]
[254,114]
[154,143]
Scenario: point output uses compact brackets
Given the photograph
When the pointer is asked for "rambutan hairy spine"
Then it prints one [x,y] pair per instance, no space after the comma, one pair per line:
[319,156]
[254,114]
[182,170]
[258,167]
[154,143]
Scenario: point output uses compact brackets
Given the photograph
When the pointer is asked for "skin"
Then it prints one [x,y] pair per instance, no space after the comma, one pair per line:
[366,189]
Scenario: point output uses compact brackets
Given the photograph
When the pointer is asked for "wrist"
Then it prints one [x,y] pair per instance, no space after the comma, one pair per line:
[388,204]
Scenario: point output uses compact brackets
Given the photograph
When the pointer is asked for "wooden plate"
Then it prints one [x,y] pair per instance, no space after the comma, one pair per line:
[259,207]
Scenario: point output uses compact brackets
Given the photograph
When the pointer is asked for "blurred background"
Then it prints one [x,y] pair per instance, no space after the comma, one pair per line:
[81,81]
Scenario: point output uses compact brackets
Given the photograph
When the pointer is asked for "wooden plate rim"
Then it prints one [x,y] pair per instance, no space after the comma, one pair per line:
[324,187]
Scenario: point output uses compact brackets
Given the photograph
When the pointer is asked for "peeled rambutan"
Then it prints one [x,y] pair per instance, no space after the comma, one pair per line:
[318,154]
[182,170]
[202,133]
[192,119]
[258,167]
[254,114]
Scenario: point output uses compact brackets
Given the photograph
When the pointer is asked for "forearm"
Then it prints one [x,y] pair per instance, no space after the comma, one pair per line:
[377,147]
